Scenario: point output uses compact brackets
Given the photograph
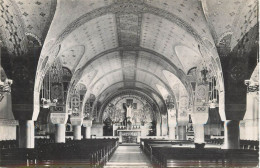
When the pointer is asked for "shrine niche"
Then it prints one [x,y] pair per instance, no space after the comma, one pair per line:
[129,117]
[129,108]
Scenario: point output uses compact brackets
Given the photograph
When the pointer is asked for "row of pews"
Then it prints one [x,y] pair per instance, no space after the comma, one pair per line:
[244,144]
[8,144]
[248,144]
[92,152]
[169,153]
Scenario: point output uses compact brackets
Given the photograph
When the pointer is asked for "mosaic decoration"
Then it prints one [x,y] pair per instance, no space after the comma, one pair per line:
[37,16]
[12,29]
[116,111]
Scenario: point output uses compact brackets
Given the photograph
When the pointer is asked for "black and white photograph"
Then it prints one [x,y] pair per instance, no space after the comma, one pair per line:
[129,83]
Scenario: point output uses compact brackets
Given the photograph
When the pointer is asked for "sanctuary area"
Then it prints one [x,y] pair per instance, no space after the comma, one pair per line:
[129,83]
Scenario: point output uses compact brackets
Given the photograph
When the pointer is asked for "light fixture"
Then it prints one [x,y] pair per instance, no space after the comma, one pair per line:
[5,83]
[204,75]
[46,101]
[252,86]
[5,87]
[213,102]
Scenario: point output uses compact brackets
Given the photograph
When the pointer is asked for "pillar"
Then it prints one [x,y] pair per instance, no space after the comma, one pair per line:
[60,133]
[87,132]
[199,133]
[164,125]
[232,138]
[199,119]
[182,132]
[171,132]
[158,129]
[26,134]
[77,132]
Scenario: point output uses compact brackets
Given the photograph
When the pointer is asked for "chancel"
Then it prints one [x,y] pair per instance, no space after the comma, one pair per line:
[129,83]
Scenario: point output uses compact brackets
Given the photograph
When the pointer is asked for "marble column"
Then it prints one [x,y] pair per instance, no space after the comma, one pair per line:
[77,132]
[199,120]
[199,133]
[182,132]
[87,124]
[171,132]
[232,138]
[26,134]
[172,122]
[60,130]
[164,125]
[87,132]
[182,123]
[158,129]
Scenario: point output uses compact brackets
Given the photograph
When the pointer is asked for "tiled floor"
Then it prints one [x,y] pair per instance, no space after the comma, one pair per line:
[128,156]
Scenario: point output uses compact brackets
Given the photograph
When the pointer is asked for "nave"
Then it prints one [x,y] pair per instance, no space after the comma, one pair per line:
[80,78]
[128,156]
[157,153]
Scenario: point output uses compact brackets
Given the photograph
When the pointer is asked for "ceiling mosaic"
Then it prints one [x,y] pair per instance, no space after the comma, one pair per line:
[113,44]
[234,17]
[37,16]
[12,28]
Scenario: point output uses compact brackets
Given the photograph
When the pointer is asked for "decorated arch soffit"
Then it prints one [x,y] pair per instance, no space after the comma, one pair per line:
[141,87]
[103,25]
[119,83]
[141,95]
[127,6]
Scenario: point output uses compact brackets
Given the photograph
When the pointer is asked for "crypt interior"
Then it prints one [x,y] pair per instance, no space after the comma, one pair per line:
[148,83]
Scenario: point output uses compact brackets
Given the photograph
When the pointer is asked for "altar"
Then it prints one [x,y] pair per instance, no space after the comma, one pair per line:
[129,136]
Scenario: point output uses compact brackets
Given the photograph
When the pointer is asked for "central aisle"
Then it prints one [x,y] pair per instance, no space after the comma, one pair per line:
[128,156]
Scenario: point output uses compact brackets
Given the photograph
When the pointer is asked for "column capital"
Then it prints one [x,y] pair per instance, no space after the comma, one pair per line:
[59,118]
[199,118]
[87,123]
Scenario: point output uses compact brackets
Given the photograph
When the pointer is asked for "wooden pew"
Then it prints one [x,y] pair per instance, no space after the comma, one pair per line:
[163,154]
[92,151]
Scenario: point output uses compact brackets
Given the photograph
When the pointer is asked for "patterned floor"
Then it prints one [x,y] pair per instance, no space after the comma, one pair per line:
[128,156]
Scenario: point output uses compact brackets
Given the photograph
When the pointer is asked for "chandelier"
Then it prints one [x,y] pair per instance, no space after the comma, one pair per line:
[204,75]
[46,101]
[213,99]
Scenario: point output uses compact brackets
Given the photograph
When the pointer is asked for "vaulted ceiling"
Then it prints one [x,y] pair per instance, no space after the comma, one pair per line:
[117,44]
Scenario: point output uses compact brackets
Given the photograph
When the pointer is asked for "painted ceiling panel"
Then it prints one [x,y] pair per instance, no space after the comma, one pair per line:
[69,10]
[12,28]
[37,16]
[71,57]
[97,35]
[164,40]
[128,25]
[177,87]
[234,16]
[147,78]
[103,65]
[188,57]
[247,19]
[88,77]
[110,90]
[189,11]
